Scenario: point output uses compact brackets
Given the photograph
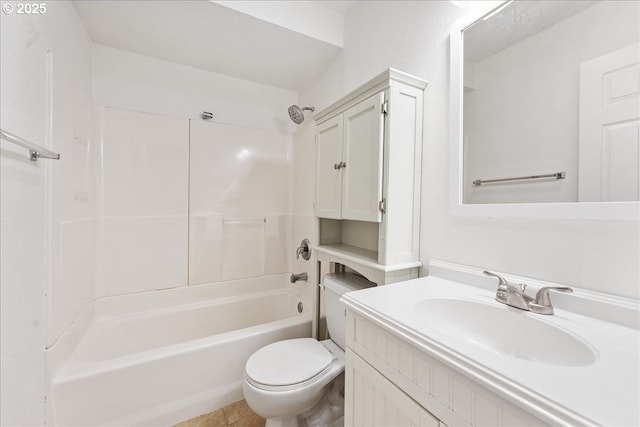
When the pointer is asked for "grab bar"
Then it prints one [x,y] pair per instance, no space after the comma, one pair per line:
[35,151]
[556,175]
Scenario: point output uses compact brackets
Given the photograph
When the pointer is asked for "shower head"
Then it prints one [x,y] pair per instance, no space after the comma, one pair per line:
[296,113]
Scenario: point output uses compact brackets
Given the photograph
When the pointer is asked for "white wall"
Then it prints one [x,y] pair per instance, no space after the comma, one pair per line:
[414,37]
[42,287]
[522,116]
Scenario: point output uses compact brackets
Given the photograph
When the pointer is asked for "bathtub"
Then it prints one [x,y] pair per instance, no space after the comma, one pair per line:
[157,358]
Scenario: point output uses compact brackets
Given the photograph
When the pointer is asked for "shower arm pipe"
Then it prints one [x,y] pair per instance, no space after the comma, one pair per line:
[35,151]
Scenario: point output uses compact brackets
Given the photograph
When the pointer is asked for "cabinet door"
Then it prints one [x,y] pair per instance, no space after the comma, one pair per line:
[362,160]
[373,400]
[328,177]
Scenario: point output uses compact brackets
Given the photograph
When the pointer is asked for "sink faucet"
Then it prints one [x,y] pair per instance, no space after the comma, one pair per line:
[515,296]
[509,294]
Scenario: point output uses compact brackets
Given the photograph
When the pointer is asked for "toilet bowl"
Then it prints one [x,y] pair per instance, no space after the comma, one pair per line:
[287,378]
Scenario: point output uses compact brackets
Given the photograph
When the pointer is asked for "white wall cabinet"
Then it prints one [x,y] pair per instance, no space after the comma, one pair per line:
[349,170]
[368,172]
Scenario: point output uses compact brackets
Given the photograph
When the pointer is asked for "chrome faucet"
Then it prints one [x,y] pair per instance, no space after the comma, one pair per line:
[515,296]
[509,294]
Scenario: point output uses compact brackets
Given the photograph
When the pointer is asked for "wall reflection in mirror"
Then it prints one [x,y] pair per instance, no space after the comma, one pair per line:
[552,87]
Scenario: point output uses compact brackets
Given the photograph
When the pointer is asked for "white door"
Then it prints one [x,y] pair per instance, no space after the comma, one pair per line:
[328,170]
[362,160]
[609,144]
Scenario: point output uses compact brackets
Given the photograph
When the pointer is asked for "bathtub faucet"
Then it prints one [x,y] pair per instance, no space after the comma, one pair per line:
[300,276]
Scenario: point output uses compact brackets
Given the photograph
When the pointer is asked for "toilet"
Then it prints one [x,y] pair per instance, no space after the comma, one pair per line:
[288,378]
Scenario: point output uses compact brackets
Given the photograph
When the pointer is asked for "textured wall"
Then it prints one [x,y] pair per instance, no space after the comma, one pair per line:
[36,299]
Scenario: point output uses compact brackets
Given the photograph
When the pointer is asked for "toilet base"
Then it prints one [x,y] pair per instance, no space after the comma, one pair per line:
[328,411]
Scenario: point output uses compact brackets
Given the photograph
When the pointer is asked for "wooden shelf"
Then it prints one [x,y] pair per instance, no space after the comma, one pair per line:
[362,260]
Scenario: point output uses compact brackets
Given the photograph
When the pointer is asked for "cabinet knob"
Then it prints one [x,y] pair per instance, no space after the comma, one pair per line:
[339,165]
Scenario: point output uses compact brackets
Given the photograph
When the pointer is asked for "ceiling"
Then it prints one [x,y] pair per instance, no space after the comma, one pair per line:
[516,22]
[286,44]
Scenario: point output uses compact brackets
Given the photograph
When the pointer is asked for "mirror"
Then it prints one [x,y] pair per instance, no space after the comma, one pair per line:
[546,107]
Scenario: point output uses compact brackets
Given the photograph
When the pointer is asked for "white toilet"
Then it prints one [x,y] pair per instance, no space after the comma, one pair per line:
[287,378]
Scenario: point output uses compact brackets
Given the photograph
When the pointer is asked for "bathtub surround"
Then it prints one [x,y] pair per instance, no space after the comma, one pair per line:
[180,202]
[233,193]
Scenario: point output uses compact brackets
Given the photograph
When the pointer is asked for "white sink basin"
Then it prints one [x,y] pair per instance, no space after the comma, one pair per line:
[505,330]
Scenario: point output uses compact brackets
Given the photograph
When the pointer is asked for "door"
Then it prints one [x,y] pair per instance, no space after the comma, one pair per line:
[609,143]
[328,168]
[362,160]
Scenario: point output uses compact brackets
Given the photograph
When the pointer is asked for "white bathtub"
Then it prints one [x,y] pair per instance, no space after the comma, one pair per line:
[156,358]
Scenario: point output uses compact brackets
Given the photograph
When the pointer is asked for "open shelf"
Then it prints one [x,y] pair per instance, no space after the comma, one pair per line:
[361,257]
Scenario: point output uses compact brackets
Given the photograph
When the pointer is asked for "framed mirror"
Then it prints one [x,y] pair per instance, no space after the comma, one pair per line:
[545,110]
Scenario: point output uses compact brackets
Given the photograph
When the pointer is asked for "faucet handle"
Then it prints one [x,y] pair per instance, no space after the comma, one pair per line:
[503,284]
[542,297]
[502,293]
[501,280]
[304,249]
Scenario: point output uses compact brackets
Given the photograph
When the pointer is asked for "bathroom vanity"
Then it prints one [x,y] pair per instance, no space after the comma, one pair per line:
[439,350]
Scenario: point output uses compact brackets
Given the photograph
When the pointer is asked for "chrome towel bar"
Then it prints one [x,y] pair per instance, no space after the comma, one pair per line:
[556,175]
[35,151]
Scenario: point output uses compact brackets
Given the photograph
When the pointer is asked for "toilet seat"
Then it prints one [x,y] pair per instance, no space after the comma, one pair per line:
[287,364]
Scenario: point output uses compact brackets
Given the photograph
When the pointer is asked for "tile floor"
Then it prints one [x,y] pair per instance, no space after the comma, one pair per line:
[235,415]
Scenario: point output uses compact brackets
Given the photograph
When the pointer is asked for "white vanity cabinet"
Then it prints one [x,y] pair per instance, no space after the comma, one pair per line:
[368,172]
[391,382]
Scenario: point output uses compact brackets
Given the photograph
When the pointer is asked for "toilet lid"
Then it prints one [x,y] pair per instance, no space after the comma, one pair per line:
[288,362]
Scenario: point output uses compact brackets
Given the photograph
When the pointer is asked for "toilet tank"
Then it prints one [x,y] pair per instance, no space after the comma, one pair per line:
[335,285]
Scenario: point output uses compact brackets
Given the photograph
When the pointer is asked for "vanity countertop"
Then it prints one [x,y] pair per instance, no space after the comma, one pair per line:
[602,389]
